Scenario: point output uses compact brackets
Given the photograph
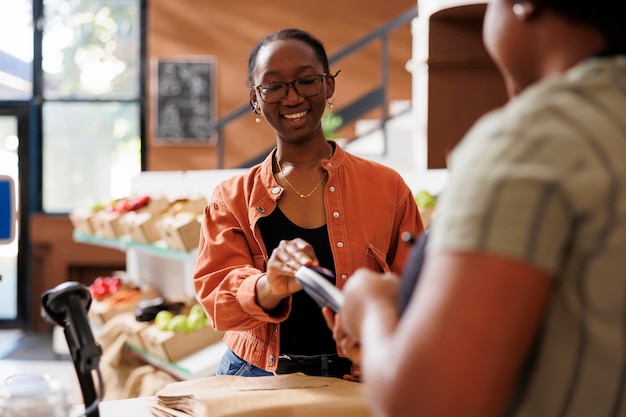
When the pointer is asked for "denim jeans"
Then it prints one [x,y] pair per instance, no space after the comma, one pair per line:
[232,364]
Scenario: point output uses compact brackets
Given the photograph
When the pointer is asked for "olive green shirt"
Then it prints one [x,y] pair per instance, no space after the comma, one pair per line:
[543,180]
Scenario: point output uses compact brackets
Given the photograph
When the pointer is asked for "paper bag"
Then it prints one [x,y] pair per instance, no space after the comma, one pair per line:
[291,395]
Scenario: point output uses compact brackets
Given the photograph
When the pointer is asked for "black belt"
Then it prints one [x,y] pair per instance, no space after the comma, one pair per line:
[317,365]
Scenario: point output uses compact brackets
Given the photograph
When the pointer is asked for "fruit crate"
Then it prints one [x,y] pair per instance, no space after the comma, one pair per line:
[101,312]
[173,346]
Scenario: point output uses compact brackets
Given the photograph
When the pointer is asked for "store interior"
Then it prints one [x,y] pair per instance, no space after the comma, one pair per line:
[155,260]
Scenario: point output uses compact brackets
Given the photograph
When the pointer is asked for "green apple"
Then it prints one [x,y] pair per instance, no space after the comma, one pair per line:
[424,199]
[162,319]
[178,323]
[195,322]
[197,309]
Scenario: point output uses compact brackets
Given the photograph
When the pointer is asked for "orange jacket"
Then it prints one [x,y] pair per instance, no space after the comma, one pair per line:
[368,206]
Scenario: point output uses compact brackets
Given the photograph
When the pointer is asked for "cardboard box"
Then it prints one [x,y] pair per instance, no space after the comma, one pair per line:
[108,224]
[142,227]
[195,205]
[114,224]
[157,205]
[81,220]
[180,232]
[102,311]
[132,330]
[172,346]
[192,205]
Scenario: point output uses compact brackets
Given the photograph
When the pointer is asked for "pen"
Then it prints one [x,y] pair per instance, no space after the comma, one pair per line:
[408,237]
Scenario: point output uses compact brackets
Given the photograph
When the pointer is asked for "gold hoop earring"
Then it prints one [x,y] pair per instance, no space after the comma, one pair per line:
[523,9]
[258,114]
[330,103]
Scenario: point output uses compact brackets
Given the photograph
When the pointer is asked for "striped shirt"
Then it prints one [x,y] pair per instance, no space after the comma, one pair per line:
[543,180]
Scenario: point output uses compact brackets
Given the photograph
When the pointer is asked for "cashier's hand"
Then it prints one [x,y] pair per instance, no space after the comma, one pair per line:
[368,291]
[280,281]
[365,289]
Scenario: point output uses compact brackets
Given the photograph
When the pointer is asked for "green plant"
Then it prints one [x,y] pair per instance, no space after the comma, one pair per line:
[330,123]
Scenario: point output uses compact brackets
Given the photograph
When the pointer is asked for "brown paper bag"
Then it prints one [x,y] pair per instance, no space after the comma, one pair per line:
[291,395]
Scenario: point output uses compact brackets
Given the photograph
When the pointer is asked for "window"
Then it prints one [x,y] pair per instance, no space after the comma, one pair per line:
[91,49]
[16,50]
[91,113]
[90,152]
[71,112]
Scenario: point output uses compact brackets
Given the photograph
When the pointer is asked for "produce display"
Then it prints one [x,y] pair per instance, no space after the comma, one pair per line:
[124,205]
[103,287]
[175,335]
[144,219]
[166,326]
[148,309]
[112,291]
[195,320]
[112,295]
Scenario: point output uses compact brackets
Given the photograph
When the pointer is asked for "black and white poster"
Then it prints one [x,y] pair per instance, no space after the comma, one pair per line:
[186,100]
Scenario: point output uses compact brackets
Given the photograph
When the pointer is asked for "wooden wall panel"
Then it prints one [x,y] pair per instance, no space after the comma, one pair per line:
[463,81]
[229,29]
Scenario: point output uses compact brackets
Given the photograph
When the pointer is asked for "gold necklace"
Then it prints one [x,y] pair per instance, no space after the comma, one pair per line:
[305,196]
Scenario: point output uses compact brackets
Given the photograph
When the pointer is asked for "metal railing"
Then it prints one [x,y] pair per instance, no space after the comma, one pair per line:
[350,113]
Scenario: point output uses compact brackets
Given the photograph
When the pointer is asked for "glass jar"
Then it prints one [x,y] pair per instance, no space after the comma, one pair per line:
[33,395]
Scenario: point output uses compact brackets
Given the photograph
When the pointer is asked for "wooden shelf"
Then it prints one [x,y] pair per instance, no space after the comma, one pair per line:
[170,271]
[113,243]
[124,243]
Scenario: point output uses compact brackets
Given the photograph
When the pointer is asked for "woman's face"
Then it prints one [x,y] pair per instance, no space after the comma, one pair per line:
[294,118]
[508,40]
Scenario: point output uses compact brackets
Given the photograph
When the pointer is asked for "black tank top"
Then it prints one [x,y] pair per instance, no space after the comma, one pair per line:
[304,332]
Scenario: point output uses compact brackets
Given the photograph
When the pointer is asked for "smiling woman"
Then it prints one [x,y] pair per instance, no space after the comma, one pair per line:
[295,208]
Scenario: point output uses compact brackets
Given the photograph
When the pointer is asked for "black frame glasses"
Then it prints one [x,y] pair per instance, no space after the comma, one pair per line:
[305,87]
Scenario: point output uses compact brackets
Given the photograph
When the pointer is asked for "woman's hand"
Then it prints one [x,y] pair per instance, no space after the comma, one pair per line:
[280,281]
[285,261]
[347,346]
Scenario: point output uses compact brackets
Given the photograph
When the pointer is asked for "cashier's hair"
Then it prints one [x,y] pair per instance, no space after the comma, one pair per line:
[287,34]
[609,16]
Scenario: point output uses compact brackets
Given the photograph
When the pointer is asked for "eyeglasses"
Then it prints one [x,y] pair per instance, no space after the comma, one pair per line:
[307,86]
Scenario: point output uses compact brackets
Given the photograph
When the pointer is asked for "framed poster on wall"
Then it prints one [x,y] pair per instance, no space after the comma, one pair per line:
[185,103]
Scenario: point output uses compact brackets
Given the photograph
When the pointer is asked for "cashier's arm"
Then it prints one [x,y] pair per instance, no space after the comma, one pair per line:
[462,341]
